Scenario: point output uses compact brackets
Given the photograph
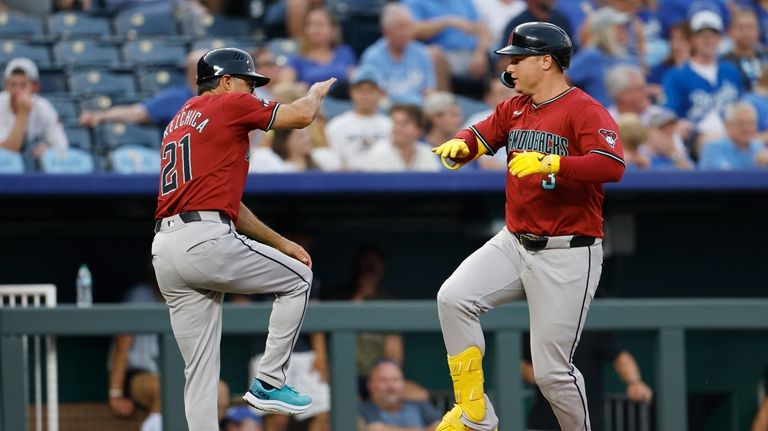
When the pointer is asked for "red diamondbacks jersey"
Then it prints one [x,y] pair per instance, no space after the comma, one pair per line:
[571,124]
[205,153]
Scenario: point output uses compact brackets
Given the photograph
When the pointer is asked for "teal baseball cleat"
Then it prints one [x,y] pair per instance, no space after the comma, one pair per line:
[283,400]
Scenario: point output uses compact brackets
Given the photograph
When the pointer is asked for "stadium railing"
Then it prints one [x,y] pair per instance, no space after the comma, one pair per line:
[670,318]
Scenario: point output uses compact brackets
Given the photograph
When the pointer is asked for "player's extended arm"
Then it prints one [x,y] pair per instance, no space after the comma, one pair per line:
[134,113]
[252,227]
[317,341]
[761,418]
[460,150]
[119,402]
[589,168]
[526,369]
[302,111]
[629,372]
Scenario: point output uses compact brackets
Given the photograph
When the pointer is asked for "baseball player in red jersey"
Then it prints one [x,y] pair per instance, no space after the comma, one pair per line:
[561,147]
[208,243]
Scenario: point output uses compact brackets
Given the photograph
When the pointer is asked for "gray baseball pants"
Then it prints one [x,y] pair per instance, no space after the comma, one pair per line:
[195,264]
[559,283]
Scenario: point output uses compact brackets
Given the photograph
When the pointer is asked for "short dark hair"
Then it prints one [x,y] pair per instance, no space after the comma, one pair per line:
[413,112]
[208,85]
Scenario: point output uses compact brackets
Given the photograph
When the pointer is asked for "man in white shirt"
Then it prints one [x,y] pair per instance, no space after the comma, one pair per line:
[405,151]
[352,133]
[28,122]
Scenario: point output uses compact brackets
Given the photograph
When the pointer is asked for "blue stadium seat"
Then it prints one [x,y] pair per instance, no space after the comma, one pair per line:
[10,49]
[133,23]
[53,81]
[85,53]
[65,25]
[154,79]
[247,44]
[67,161]
[79,137]
[113,135]
[134,159]
[66,109]
[11,162]
[99,81]
[153,52]
[219,25]
[15,26]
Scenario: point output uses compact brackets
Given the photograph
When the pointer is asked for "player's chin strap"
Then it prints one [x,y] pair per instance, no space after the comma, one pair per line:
[467,374]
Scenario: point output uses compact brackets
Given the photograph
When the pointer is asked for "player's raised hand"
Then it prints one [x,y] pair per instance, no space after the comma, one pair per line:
[455,148]
[322,88]
[533,162]
[290,248]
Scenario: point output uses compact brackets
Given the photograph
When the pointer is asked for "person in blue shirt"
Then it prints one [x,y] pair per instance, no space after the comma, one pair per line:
[746,54]
[386,408]
[321,54]
[664,147]
[700,89]
[459,40]
[760,7]
[758,97]
[608,48]
[679,53]
[544,10]
[158,109]
[740,149]
[405,66]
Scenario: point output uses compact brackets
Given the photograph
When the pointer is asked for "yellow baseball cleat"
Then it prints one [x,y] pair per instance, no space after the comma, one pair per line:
[467,375]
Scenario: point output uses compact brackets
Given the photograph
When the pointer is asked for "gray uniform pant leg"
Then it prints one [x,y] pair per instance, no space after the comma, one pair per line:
[196,264]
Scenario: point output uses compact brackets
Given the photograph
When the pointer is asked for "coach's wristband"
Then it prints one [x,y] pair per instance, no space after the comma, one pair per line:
[116,393]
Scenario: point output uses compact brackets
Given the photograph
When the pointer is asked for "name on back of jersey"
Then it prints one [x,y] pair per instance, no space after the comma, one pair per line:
[186,117]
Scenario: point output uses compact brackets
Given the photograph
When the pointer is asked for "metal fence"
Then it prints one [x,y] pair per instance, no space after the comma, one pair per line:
[342,320]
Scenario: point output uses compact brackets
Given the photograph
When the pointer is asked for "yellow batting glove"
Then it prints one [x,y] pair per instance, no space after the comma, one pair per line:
[532,162]
[455,148]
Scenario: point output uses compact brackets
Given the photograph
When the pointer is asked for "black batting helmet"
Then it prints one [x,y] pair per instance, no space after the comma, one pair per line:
[540,38]
[228,61]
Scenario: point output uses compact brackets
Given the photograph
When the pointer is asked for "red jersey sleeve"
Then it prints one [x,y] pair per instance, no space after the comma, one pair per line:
[248,111]
[493,131]
[596,132]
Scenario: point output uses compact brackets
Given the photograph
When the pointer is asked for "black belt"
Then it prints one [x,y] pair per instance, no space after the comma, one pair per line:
[535,243]
[192,216]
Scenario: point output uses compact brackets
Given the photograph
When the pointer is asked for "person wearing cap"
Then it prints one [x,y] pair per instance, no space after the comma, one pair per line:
[540,10]
[608,47]
[698,90]
[28,122]
[443,116]
[664,146]
[404,151]
[740,149]
[352,133]
[240,418]
[158,109]
[405,65]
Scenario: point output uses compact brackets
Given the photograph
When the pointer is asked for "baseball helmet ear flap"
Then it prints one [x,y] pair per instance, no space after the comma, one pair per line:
[507,80]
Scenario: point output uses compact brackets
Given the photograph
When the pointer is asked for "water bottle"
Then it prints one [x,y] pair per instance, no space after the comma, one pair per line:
[84,287]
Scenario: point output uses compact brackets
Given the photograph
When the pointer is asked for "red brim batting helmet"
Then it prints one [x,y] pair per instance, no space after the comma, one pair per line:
[540,38]
[228,61]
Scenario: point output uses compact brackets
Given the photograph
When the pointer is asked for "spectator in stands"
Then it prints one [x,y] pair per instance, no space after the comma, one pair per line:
[664,147]
[496,14]
[607,47]
[266,64]
[494,93]
[352,133]
[294,147]
[703,86]
[158,109]
[538,10]
[740,149]
[633,135]
[746,54]
[321,53]
[595,348]
[240,418]
[635,30]
[405,65]
[29,123]
[758,97]
[458,40]
[387,409]
[673,12]
[679,53]
[406,151]
[628,92]
[443,117]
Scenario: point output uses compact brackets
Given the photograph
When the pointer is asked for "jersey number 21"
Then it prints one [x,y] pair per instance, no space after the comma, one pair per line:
[170,176]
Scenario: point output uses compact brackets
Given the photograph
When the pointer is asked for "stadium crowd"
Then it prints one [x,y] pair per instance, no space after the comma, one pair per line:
[90,84]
